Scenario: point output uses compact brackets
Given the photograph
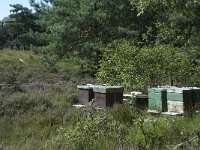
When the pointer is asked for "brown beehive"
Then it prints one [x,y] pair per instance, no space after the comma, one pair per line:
[107,96]
[86,94]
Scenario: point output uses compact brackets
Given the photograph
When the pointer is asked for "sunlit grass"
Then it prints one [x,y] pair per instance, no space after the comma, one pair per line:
[10,58]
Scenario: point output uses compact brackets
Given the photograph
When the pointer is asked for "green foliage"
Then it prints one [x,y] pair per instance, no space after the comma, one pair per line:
[23,31]
[116,67]
[161,65]
[39,115]
[96,130]
[30,115]
[23,27]
[134,68]
[10,58]
[83,28]
[106,130]
[160,46]
[124,113]
[49,62]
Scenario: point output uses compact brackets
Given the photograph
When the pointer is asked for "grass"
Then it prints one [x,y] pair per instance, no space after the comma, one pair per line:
[36,113]
[31,112]
[12,58]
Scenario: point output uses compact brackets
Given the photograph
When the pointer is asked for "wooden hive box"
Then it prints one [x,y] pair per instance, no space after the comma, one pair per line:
[86,94]
[107,96]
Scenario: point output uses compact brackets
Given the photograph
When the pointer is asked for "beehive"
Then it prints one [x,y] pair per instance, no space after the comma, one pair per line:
[196,97]
[86,94]
[141,101]
[107,96]
[157,99]
[180,100]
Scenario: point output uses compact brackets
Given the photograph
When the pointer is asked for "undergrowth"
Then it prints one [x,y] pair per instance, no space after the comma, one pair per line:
[105,129]
[36,113]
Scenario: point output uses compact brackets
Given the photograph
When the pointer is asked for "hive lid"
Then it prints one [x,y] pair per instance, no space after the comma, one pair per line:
[85,86]
[156,89]
[195,88]
[127,95]
[171,89]
[161,88]
[179,90]
[108,89]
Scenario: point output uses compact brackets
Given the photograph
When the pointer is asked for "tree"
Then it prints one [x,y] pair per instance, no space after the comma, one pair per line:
[23,29]
[140,68]
[42,6]
[175,20]
[6,35]
[1,35]
[84,27]
[177,24]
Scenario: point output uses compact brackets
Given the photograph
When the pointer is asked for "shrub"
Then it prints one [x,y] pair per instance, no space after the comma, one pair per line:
[117,65]
[124,113]
[20,103]
[49,62]
[9,75]
[94,131]
[134,68]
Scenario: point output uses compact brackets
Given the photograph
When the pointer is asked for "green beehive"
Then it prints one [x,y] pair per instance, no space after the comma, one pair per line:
[180,100]
[157,99]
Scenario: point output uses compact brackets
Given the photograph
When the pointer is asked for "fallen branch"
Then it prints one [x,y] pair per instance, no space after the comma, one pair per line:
[183,143]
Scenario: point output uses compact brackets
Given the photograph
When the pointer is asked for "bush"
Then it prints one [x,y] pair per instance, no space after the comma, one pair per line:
[117,65]
[134,68]
[86,128]
[9,75]
[94,131]
[49,62]
[124,113]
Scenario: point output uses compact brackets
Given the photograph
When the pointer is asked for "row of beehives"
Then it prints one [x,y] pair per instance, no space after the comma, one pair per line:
[104,96]
[174,99]
[162,99]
